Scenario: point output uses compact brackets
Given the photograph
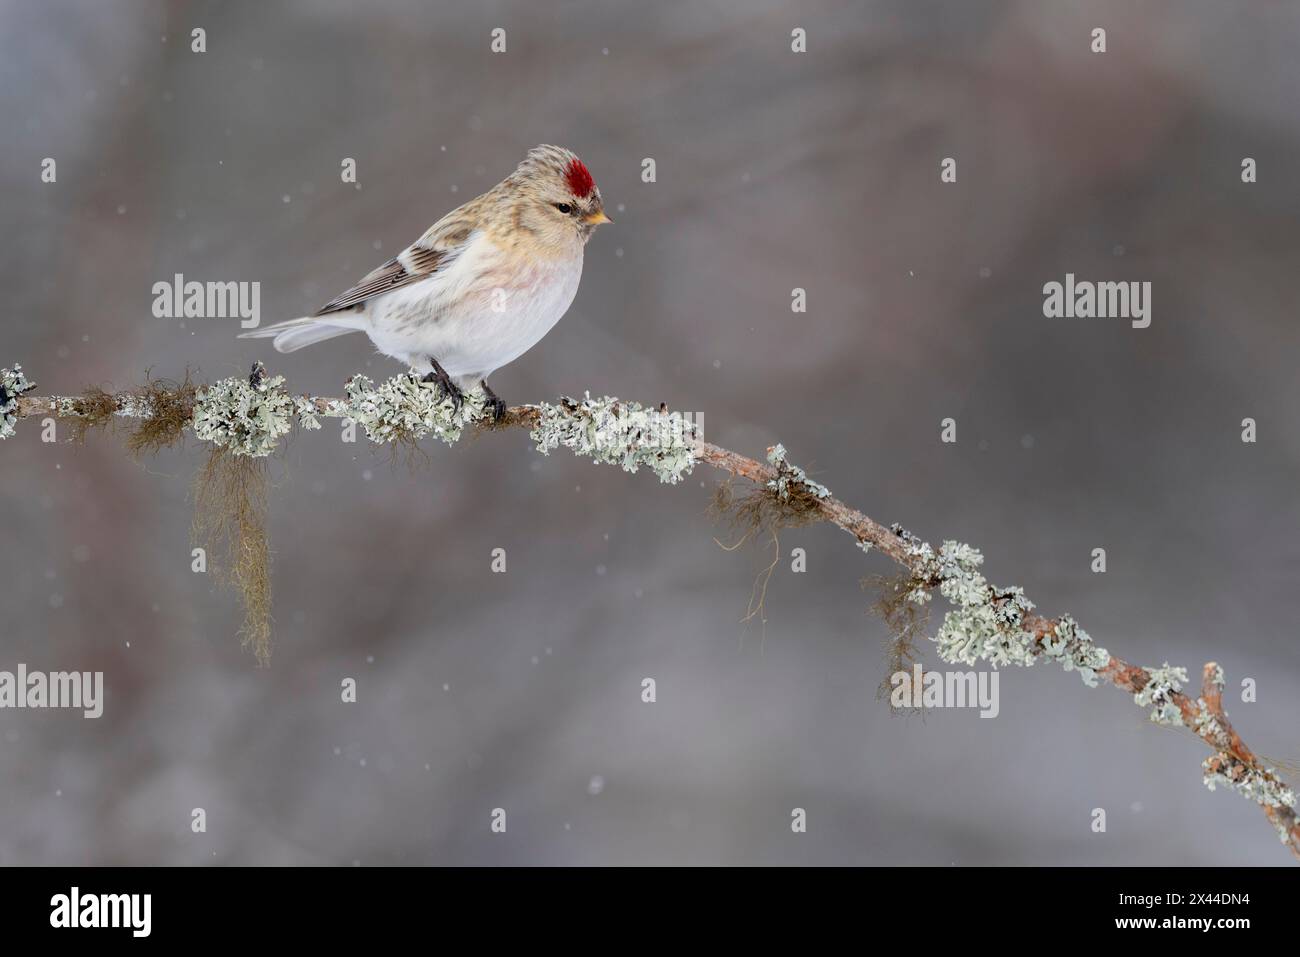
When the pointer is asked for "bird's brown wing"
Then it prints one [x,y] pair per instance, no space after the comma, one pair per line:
[411,265]
[435,250]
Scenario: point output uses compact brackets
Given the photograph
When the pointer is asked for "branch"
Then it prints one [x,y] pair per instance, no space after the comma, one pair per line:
[244,418]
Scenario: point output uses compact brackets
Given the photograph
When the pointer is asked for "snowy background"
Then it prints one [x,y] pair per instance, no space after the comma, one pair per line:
[775,170]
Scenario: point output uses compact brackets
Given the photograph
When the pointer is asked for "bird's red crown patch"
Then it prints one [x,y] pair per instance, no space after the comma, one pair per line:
[579,179]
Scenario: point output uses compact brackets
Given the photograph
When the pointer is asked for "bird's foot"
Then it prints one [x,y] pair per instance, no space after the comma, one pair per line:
[494,403]
[449,388]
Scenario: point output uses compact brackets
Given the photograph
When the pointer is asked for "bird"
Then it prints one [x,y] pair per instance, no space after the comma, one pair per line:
[480,288]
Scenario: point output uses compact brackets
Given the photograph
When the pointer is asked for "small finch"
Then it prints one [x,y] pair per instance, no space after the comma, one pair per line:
[480,287]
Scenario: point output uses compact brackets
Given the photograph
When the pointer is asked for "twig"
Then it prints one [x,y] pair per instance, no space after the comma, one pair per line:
[988,623]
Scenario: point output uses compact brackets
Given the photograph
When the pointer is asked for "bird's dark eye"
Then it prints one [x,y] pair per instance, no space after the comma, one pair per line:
[565,208]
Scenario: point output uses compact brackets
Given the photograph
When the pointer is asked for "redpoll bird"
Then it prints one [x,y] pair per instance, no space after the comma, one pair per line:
[480,287]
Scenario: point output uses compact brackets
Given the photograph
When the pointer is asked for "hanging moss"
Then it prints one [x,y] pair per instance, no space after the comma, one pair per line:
[167,408]
[93,409]
[906,622]
[789,500]
[230,523]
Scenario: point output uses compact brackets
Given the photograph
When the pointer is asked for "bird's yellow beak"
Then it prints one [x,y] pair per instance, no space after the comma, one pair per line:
[596,218]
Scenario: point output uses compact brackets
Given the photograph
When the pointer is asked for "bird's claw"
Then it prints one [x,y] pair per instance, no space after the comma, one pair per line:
[449,389]
[494,403]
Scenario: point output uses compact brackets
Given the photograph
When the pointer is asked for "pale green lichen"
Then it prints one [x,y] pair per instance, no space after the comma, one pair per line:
[307,413]
[957,569]
[244,416]
[1261,786]
[13,384]
[791,479]
[1070,645]
[406,408]
[130,405]
[1206,723]
[615,432]
[921,560]
[1216,676]
[987,622]
[1207,726]
[1158,694]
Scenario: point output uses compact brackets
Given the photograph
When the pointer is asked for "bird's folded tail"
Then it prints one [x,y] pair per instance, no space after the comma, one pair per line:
[294,334]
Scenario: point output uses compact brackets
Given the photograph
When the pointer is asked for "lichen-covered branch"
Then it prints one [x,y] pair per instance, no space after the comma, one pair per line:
[984,623]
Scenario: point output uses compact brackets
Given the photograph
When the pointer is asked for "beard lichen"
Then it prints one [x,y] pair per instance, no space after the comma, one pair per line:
[165,408]
[788,500]
[244,420]
[751,521]
[906,621]
[791,484]
[93,409]
[158,412]
[230,524]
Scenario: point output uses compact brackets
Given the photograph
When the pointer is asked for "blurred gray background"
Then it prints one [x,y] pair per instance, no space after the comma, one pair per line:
[775,170]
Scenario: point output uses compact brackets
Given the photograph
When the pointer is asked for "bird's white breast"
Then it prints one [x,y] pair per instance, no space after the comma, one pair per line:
[486,308]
